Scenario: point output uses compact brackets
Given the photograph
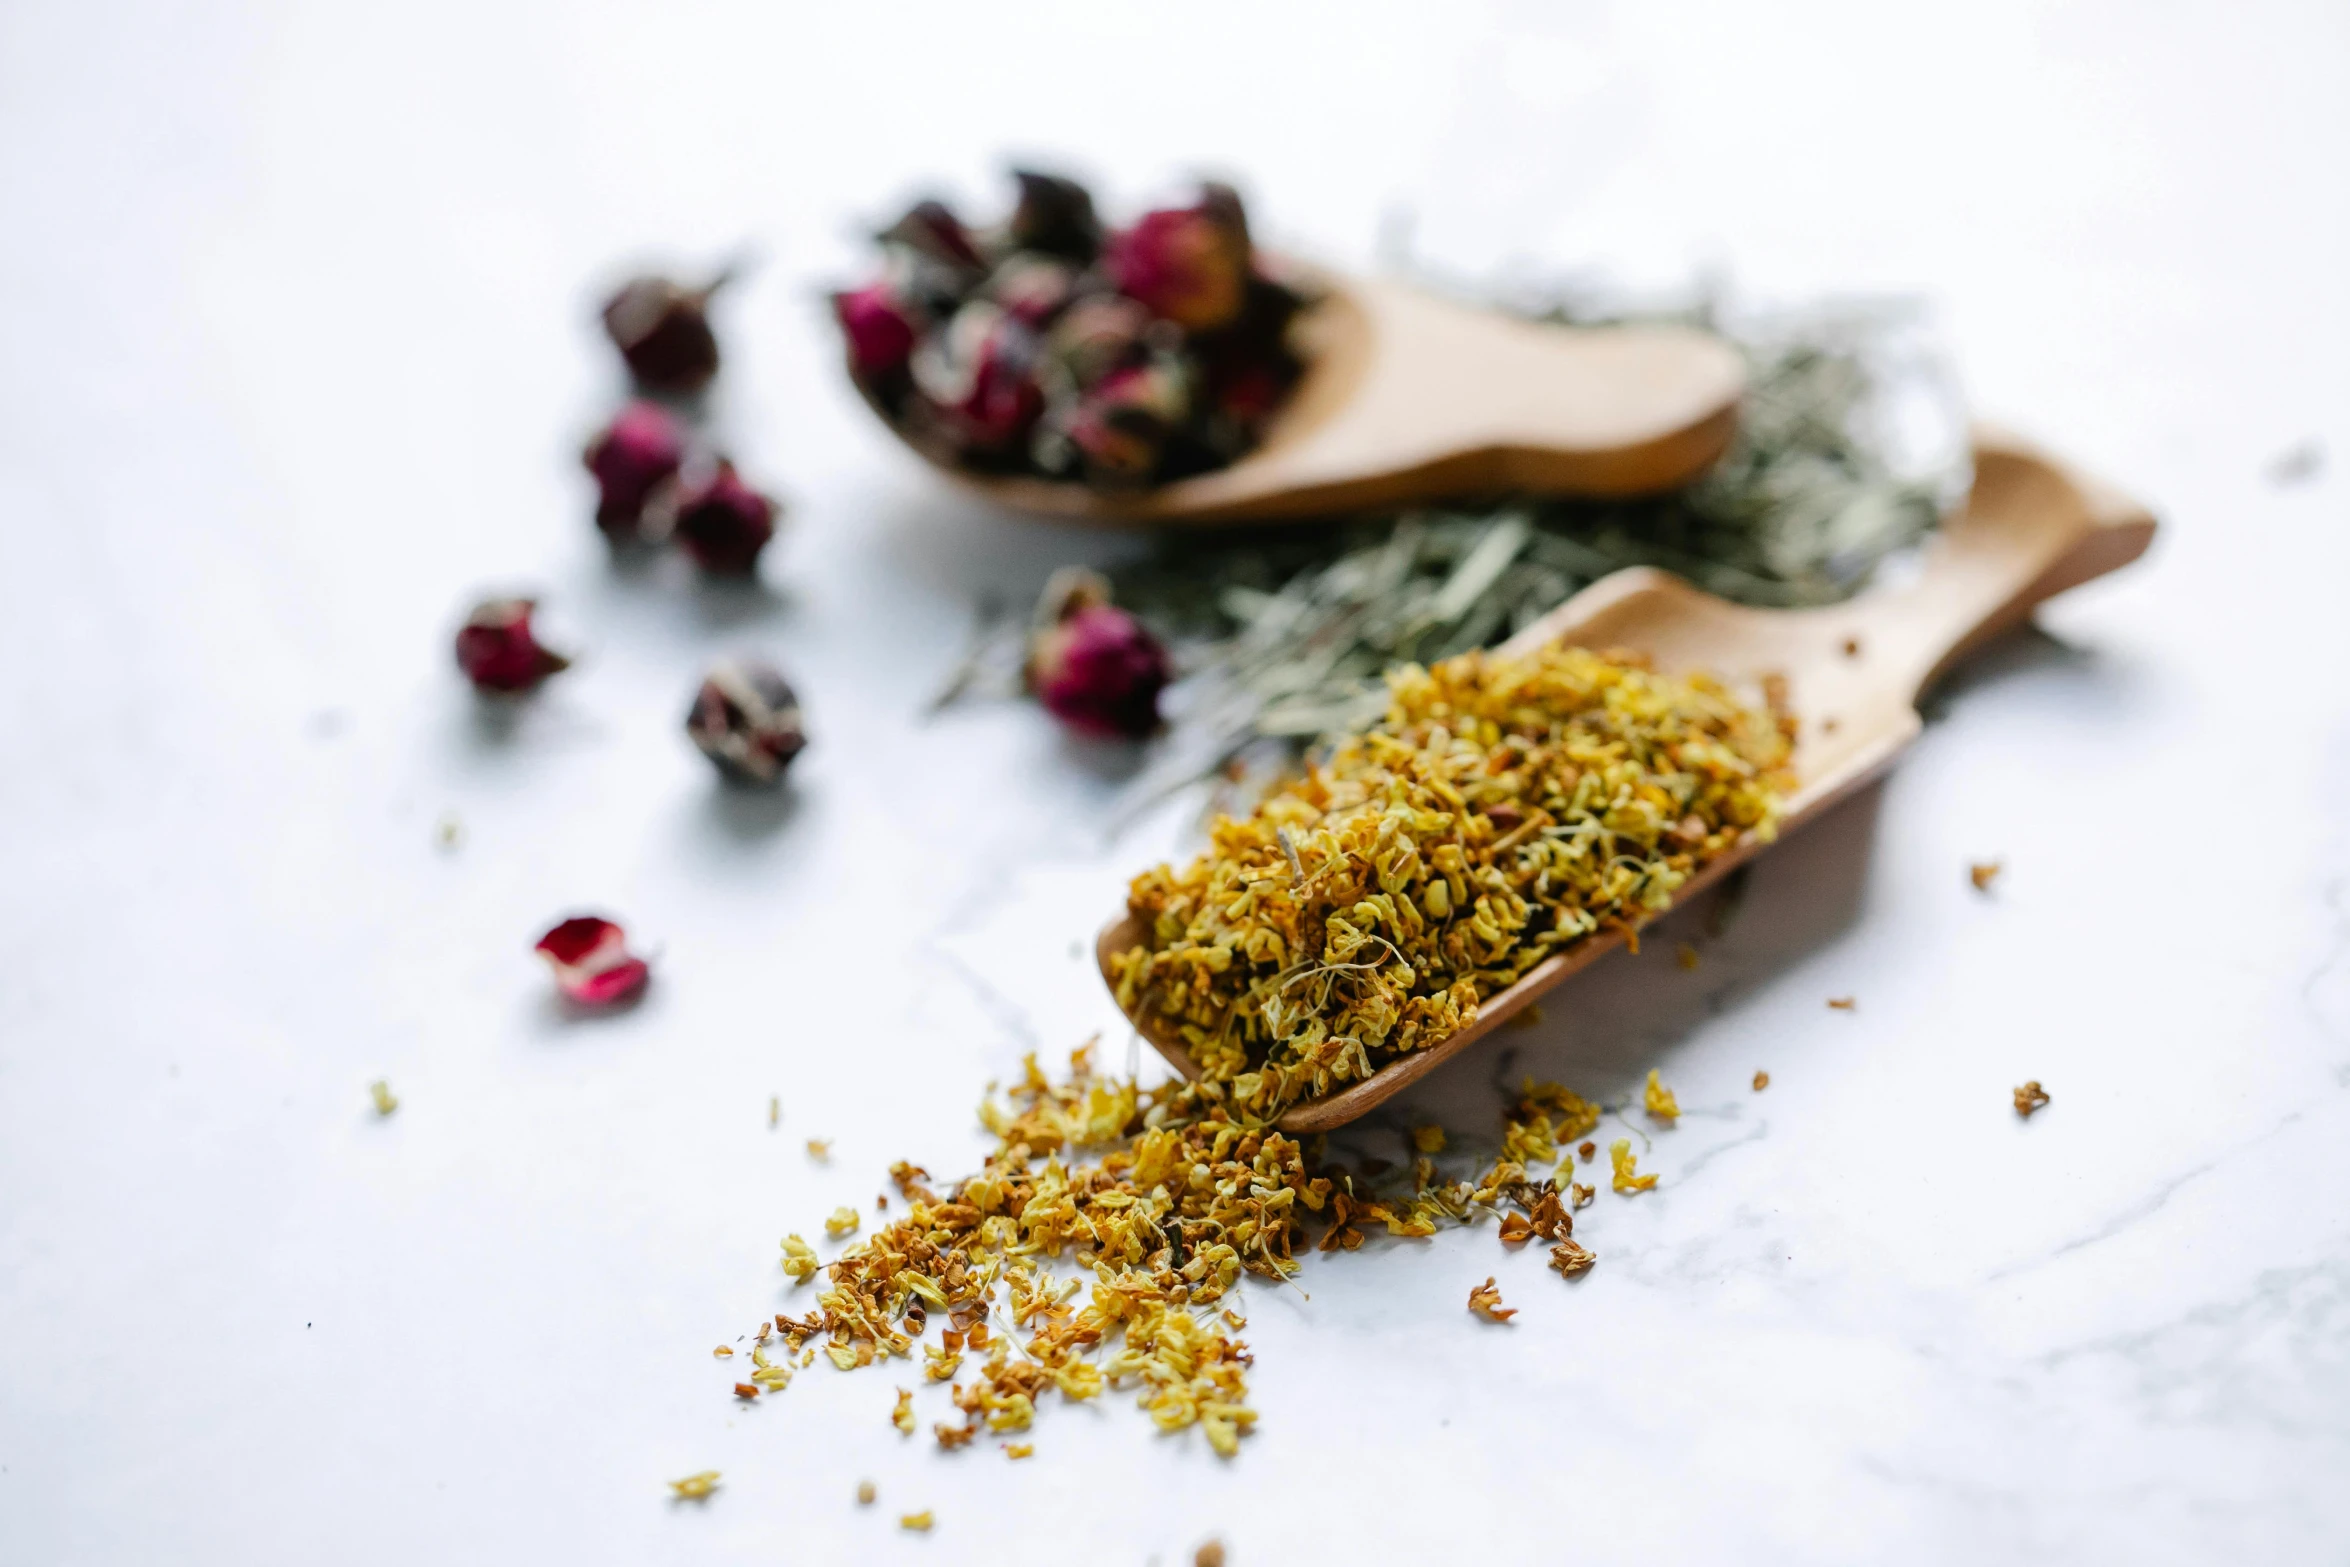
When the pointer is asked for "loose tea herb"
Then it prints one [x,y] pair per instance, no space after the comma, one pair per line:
[1163,1199]
[498,651]
[1503,810]
[1091,664]
[1048,346]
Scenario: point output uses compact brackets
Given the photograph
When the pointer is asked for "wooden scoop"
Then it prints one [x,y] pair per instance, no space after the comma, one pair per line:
[1408,399]
[2029,530]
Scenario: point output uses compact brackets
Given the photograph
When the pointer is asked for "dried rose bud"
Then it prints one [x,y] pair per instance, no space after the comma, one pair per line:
[663,330]
[1031,289]
[747,720]
[1188,264]
[497,651]
[1094,336]
[931,229]
[880,330]
[592,963]
[980,376]
[1055,215]
[1092,664]
[722,522]
[1118,432]
[637,453]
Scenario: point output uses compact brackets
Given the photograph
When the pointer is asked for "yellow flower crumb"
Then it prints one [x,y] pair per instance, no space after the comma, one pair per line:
[820,1149]
[1485,1301]
[696,1487]
[1983,873]
[1658,1100]
[385,1100]
[1619,1154]
[723,1352]
[1762,1080]
[1019,1449]
[1843,1003]
[799,1259]
[865,1493]
[1428,1139]
[2029,1098]
[844,1221]
[918,1522]
[1686,955]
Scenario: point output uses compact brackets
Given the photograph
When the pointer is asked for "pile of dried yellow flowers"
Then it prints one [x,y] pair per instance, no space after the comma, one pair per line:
[1166,1197]
[1504,809]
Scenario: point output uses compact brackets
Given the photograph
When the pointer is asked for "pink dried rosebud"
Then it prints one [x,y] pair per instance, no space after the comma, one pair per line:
[746,718]
[722,522]
[1092,664]
[1188,264]
[1118,431]
[592,963]
[880,330]
[497,650]
[663,330]
[980,376]
[640,450]
[931,229]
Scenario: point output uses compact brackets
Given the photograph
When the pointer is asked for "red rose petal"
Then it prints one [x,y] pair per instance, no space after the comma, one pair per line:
[592,963]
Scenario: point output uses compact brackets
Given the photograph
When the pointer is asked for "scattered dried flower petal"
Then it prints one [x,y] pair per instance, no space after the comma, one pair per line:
[745,1391]
[1762,1080]
[820,1149]
[1428,1139]
[865,1493]
[918,1522]
[1658,1100]
[1019,1449]
[746,718]
[1620,1155]
[799,1259]
[1843,1003]
[1686,955]
[723,1352]
[844,1221]
[903,1415]
[1485,1301]
[1209,1555]
[1983,873]
[380,1094]
[2030,1097]
[1570,1258]
[498,651]
[593,966]
[696,1487]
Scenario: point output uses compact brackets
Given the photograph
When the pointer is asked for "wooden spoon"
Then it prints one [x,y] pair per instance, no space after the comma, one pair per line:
[2029,530]
[1409,399]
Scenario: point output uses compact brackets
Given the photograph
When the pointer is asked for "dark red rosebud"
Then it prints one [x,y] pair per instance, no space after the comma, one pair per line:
[638,452]
[880,330]
[722,522]
[980,377]
[930,228]
[497,651]
[593,966]
[1117,432]
[663,330]
[746,718]
[1188,264]
[1031,289]
[1055,215]
[1091,664]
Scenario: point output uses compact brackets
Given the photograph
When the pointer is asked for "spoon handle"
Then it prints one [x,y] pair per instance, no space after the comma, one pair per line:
[2033,529]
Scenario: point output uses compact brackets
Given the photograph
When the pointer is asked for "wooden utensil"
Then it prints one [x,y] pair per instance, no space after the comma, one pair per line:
[1409,399]
[2029,530]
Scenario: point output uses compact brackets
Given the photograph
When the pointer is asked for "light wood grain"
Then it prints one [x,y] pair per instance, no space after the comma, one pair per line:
[2030,529]
[1409,399]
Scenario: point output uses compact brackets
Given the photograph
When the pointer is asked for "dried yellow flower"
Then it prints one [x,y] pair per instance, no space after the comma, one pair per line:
[1762,1080]
[1658,1100]
[1485,1301]
[1570,1258]
[918,1522]
[722,1352]
[903,1416]
[1619,1154]
[820,1149]
[1209,1555]
[866,1493]
[696,1487]
[1685,955]
[1503,810]
[1428,1139]
[2029,1098]
[774,1112]
[1843,1003]
[384,1099]
[844,1221]
[1983,873]
[799,1259]
[1019,1449]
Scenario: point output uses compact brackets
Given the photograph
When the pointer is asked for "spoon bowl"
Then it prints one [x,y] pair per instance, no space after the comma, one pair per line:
[2030,529]
[1409,399]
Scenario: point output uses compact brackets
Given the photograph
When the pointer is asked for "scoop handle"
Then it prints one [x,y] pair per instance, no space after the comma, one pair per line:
[2032,527]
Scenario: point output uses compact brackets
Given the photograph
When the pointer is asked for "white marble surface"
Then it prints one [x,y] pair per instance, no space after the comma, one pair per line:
[294,359]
